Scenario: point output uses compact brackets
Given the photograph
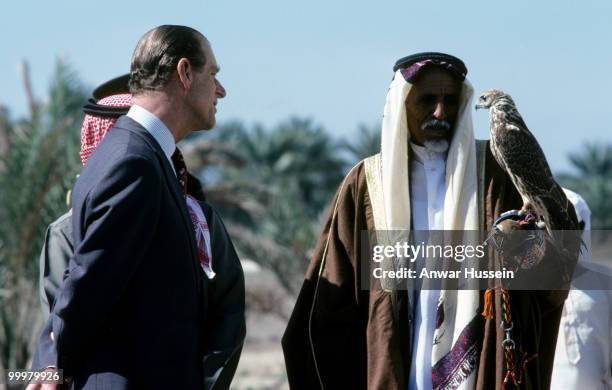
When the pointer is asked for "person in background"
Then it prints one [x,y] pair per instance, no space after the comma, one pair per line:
[583,358]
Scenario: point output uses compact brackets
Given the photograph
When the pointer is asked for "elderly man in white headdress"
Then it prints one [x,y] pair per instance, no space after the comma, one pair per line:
[431,174]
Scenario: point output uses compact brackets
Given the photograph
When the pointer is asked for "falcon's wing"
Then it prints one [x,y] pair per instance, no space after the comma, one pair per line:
[525,159]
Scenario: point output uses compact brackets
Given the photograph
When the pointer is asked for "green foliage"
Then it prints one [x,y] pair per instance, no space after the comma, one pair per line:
[288,175]
[36,170]
[366,143]
[593,180]
[294,156]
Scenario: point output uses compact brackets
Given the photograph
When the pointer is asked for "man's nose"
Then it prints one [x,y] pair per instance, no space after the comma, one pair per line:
[440,111]
[221,93]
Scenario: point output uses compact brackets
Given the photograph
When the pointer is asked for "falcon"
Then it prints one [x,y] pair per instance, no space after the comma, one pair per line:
[517,151]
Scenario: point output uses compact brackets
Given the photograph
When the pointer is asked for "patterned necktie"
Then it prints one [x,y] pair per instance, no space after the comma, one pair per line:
[181,169]
[196,214]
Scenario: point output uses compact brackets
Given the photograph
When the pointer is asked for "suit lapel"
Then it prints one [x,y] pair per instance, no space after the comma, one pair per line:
[172,183]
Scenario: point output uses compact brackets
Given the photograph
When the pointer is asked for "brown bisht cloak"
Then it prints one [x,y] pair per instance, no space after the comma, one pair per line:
[341,336]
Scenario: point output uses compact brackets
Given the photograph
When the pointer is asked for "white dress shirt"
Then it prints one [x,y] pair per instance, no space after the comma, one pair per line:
[427,181]
[156,128]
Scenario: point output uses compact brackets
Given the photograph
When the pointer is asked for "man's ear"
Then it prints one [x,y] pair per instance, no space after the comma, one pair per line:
[184,71]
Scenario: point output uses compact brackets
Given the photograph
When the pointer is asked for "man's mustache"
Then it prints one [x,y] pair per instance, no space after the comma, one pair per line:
[435,124]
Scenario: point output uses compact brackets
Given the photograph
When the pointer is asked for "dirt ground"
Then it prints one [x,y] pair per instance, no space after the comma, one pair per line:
[268,308]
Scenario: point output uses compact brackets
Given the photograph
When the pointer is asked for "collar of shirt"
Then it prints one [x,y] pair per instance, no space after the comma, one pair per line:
[156,128]
[423,155]
[427,188]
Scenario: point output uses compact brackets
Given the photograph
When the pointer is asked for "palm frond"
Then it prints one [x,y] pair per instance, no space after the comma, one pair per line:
[36,170]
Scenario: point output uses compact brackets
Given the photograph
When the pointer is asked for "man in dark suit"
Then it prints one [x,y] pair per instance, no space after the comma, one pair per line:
[224,317]
[130,313]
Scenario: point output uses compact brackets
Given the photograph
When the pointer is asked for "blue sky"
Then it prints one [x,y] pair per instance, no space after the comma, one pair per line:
[331,60]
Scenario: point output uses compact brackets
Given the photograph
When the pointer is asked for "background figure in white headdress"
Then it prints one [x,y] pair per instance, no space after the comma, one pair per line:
[584,348]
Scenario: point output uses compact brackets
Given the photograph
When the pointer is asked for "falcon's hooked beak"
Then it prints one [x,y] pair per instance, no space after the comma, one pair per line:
[482,102]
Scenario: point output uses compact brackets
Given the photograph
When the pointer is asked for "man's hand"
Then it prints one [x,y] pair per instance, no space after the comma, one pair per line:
[50,386]
[519,239]
[43,386]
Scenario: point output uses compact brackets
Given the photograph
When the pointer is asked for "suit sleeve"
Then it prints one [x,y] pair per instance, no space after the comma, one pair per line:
[54,258]
[225,320]
[114,224]
[44,355]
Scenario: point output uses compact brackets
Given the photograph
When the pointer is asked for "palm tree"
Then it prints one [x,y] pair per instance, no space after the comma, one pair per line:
[593,180]
[366,143]
[296,154]
[272,198]
[38,164]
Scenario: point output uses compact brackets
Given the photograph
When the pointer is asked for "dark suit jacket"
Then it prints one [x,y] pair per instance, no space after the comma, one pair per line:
[225,318]
[130,311]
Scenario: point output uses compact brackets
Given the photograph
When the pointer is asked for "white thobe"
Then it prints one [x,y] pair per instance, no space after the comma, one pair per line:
[584,347]
[427,178]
